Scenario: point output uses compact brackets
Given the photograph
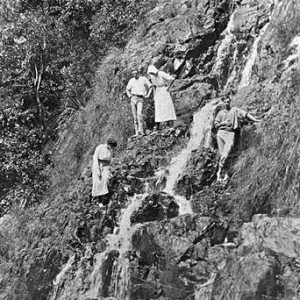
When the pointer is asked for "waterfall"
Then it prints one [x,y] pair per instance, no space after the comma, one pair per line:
[223,49]
[200,135]
[233,72]
[120,242]
[61,276]
[247,72]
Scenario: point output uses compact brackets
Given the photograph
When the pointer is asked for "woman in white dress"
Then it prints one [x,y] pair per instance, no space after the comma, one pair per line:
[101,170]
[163,104]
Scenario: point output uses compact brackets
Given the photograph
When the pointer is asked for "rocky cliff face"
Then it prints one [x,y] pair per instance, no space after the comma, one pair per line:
[168,232]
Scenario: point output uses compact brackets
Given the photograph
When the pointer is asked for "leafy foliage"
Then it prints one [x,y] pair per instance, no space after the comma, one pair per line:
[116,20]
[50,52]
[22,179]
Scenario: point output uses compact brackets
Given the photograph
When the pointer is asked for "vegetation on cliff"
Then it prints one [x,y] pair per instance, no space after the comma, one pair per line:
[50,51]
[64,70]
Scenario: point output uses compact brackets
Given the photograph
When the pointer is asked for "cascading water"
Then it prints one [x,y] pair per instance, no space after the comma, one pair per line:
[226,43]
[200,135]
[247,72]
[233,72]
[224,52]
[120,242]
[60,277]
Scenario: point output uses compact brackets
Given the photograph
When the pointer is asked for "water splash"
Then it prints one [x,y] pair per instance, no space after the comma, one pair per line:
[122,240]
[200,135]
[247,72]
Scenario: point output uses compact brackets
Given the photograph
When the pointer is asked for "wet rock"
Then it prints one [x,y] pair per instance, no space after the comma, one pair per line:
[199,172]
[178,250]
[156,207]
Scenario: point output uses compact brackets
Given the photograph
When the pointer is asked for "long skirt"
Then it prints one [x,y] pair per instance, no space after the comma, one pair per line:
[100,183]
[163,105]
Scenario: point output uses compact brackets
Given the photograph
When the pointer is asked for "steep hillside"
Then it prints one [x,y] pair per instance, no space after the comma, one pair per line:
[170,231]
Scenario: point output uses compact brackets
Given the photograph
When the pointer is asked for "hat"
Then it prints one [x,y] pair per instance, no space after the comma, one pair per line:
[112,142]
[152,70]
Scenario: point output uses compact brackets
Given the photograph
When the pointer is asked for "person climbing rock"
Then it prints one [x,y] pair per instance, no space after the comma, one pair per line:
[137,89]
[101,171]
[227,122]
[163,105]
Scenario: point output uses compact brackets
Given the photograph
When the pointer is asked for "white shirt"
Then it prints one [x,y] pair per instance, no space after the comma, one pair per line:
[139,87]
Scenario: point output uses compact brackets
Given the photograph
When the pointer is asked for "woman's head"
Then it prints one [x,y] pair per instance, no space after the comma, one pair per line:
[112,142]
[152,70]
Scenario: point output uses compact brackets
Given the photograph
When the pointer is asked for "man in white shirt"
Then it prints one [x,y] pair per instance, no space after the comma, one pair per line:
[227,121]
[138,88]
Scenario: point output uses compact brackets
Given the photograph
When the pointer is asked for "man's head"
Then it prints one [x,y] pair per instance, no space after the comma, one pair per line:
[135,73]
[111,142]
[227,101]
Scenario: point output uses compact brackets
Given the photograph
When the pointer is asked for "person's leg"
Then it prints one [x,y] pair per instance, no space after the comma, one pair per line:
[134,113]
[170,124]
[140,116]
[105,199]
[157,126]
[221,143]
[228,146]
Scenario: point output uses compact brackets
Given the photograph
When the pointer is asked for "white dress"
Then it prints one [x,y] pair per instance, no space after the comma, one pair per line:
[101,170]
[163,104]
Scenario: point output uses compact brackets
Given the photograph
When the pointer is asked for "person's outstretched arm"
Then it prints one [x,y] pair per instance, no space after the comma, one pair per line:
[252,118]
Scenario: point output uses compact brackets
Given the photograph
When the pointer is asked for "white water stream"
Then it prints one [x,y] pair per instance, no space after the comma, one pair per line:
[225,45]
[200,136]
[121,241]
[247,72]
[60,277]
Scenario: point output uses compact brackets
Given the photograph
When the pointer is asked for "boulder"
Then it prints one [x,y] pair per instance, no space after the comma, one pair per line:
[155,207]
[178,252]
